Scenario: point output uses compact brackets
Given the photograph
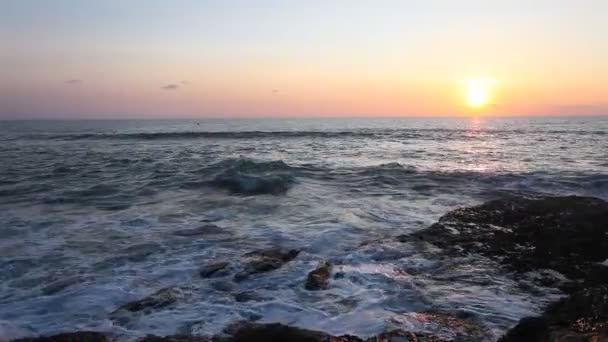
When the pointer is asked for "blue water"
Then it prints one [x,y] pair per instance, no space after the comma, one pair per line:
[89,211]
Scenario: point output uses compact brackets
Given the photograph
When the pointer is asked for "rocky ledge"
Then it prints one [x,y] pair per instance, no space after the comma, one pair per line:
[565,238]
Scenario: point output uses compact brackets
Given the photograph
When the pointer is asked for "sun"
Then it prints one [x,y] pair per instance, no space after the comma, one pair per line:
[478,91]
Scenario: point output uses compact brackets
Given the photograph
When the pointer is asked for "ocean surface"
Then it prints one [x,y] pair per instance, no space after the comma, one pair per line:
[91,214]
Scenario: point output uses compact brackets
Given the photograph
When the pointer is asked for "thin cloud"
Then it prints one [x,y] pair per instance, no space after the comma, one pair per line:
[170,87]
[73,81]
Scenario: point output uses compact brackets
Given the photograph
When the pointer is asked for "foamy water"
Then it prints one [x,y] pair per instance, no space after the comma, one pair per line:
[90,215]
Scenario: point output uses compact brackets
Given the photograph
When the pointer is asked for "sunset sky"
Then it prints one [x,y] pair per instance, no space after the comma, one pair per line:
[227,58]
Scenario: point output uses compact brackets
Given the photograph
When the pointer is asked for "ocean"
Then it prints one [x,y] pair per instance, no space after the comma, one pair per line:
[94,214]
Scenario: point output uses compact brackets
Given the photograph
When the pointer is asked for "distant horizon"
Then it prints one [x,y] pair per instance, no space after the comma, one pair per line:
[380,117]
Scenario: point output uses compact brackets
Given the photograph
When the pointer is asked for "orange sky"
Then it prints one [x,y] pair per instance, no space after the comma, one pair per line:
[285,58]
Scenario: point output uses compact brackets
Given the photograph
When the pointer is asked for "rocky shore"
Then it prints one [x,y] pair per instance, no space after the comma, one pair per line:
[563,240]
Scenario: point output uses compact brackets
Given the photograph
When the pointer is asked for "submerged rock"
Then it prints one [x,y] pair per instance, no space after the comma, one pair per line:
[79,336]
[208,229]
[275,332]
[175,338]
[247,296]
[212,268]
[158,299]
[265,260]
[565,234]
[318,279]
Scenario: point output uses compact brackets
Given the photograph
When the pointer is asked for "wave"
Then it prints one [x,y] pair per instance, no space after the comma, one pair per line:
[249,177]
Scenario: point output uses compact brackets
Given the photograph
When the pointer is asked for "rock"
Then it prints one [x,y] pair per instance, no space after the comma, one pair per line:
[528,329]
[275,332]
[212,268]
[556,241]
[318,279]
[80,336]
[581,317]
[175,338]
[208,229]
[224,286]
[159,299]
[247,296]
[252,332]
[406,336]
[459,326]
[565,234]
[265,261]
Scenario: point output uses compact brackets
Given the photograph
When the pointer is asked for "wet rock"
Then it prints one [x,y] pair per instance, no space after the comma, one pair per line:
[459,325]
[224,286]
[208,229]
[212,268]
[581,317]
[275,332]
[565,234]
[555,241]
[248,296]
[265,261]
[80,336]
[318,279]
[159,299]
[175,338]
[406,336]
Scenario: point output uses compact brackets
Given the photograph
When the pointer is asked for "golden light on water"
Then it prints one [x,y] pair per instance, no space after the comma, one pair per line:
[478,91]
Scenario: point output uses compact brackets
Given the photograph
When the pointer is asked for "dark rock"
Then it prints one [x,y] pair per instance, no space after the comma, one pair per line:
[79,336]
[247,296]
[561,241]
[318,279]
[406,336]
[175,338]
[212,268]
[159,299]
[275,332]
[528,329]
[224,286]
[209,229]
[459,325]
[265,261]
[565,234]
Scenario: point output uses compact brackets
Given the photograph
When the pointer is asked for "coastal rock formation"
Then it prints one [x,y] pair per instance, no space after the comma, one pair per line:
[563,239]
[158,299]
[275,332]
[79,336]
[265,260]
[565,234]
[175,338]
[318,279]
[581,317]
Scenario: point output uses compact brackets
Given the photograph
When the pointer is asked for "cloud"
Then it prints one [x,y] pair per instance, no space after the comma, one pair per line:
[73,81]
[170,87]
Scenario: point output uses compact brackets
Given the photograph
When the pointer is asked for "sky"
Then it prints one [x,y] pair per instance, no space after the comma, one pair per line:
[243,58]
